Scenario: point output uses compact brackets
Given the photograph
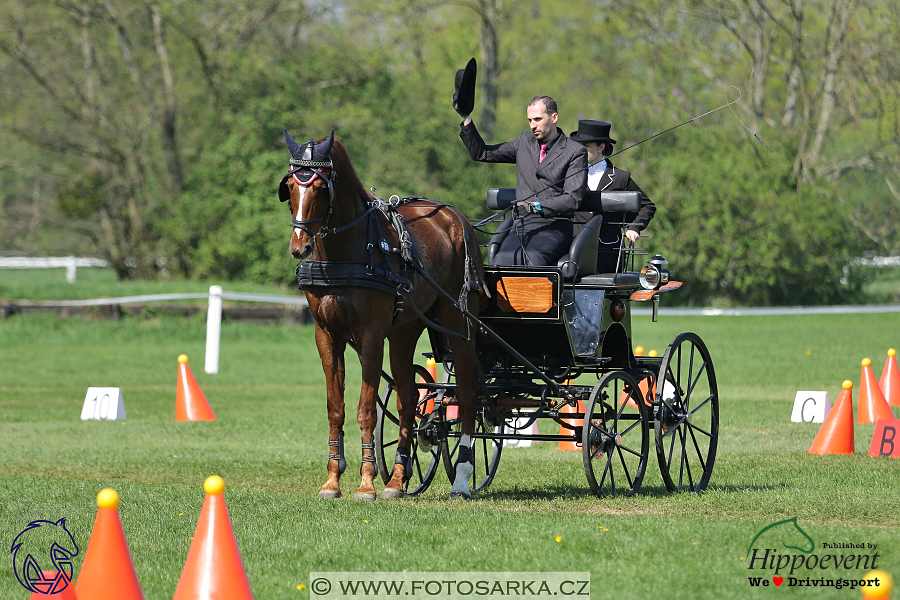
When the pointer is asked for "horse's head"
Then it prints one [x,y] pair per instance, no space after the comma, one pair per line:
[308,188]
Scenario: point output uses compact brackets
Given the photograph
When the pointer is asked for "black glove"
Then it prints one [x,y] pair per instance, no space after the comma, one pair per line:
[464,96]
[524,208]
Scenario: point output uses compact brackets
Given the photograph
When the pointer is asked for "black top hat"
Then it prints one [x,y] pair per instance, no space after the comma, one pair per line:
[593,131]
[464,98]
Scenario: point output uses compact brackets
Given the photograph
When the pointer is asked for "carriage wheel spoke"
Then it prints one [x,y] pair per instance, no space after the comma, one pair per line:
[625,468]
[685,461]
[700,429]
[632,426]
[607,469]
[697,448]
[629,450]
[691,386]
[671,449]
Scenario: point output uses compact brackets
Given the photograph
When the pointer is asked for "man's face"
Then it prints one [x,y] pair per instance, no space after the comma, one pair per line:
[594,151]
[543,126]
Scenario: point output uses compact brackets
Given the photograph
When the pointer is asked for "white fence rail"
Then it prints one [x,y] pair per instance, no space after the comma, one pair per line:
[216,295]
[69,263]
[213,314]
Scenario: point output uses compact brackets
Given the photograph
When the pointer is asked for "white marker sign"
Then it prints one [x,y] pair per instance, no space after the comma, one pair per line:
[521,427]
[103,404]
[810,407]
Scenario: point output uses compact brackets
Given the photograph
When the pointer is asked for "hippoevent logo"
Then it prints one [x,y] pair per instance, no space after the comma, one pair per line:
[782,553]
[40,549]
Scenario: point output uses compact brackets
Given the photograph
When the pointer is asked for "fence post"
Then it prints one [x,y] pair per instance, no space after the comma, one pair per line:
[71,267]
[213,329]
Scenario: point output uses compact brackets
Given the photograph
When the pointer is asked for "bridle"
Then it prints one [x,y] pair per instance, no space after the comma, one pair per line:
[308,170]
[304,171]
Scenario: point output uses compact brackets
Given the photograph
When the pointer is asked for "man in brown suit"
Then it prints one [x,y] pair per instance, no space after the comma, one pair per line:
[551,176]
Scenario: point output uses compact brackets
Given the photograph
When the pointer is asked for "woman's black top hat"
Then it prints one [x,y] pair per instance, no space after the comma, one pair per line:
[593,131]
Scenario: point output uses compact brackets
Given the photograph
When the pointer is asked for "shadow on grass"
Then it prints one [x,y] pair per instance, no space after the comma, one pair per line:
[555,492]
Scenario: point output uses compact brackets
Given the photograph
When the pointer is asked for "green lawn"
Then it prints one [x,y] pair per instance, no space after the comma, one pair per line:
[269,445]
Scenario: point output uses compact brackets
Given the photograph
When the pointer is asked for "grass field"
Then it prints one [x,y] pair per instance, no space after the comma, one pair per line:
[269,445]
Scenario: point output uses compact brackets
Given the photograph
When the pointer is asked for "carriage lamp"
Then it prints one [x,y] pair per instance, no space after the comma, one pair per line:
[654,274]
[617,310]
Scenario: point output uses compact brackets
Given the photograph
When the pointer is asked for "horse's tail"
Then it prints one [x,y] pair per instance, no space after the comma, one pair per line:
[474,279]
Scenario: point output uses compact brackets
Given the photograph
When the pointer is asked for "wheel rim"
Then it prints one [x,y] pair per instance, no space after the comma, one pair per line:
[687,415]
[387,431]
[615,436]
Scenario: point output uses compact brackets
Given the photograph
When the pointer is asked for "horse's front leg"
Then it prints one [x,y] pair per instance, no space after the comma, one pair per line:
[371,356]
[331,353]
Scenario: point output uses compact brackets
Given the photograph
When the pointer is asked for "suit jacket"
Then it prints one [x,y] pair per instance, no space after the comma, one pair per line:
[618,180]
[565,157]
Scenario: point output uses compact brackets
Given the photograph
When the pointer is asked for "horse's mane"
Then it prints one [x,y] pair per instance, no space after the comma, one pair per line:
[345,169]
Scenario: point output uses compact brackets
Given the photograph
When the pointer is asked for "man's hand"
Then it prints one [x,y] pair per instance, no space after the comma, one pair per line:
[632,235]
[524,208]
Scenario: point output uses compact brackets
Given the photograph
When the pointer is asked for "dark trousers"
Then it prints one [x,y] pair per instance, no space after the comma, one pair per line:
[535,242]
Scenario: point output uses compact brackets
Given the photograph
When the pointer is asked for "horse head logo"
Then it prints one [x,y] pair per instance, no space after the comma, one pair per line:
[40,546]
[787,535]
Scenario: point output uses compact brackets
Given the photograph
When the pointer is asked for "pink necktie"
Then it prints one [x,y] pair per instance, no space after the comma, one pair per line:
[543,153]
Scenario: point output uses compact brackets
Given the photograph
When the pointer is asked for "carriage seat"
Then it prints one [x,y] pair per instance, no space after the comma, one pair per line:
[581,261]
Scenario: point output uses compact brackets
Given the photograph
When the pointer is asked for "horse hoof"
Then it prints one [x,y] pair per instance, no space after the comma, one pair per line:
[365,496]
[463,495]
[390,494]
[330,494]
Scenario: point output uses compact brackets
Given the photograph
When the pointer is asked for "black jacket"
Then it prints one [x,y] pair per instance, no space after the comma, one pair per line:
[618,180]
[565,157]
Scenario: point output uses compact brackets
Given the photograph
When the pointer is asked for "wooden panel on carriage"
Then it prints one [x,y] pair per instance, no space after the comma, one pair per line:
[522,293]
[526,309]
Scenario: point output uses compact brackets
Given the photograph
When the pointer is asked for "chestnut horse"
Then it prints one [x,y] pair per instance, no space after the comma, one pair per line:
[361,291]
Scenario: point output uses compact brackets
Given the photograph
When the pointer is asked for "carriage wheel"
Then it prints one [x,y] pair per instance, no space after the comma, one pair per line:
[425,453]
[687,418]
[616,436]
[487,452]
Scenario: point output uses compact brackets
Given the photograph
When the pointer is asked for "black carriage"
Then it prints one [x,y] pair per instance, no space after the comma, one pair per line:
[541,329]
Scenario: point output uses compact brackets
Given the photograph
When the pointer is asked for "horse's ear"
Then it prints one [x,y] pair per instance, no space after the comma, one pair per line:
[324,149]
[293,146]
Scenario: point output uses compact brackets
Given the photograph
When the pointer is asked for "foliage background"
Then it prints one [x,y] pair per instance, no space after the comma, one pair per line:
[148,132]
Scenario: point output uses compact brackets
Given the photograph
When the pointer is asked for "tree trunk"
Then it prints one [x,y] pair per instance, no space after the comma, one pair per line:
[169,138]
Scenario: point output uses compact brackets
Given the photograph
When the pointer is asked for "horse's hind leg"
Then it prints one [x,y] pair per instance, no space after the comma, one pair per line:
[402,347]
[467,392]
[332,354]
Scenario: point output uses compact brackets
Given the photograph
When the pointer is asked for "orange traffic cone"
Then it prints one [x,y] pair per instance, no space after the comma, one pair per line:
[569,409]
[67,593]
[107,572]
[836,434]
[872,405]
[190,403]
[213,569]
[890,379]
[431,367]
